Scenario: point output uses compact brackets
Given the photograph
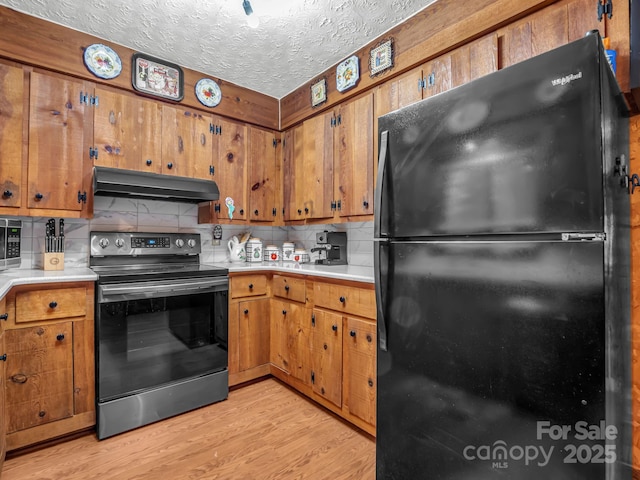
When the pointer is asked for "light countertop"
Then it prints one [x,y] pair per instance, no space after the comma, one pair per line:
[19,276]
[356,273]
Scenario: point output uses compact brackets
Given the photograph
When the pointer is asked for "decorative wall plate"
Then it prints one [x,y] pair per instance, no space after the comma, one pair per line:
[381,57]
[319,92]
[157,77]
[208,92]
[102,61]
[347,73]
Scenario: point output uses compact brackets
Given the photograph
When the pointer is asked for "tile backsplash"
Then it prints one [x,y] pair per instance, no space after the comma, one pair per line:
[123,214]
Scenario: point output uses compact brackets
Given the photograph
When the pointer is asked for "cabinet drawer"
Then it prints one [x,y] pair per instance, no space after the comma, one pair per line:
[289,288]
[353,300]
[49,304]
[248,286]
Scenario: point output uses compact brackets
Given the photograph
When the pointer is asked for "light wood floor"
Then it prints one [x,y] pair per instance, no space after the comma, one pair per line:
[263,431]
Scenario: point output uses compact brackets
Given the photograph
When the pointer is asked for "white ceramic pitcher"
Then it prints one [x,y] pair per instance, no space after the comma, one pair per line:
[237,250]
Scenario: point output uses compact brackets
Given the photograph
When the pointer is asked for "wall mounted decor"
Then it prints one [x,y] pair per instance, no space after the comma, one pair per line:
[156,77]
[102,61]
[319,92]
[347,73]
[208,92]
[381,57]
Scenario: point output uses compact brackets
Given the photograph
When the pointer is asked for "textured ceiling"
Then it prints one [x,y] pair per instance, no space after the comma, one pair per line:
[295,41]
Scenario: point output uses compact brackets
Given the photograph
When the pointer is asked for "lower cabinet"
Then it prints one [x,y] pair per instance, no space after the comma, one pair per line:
[49,370]
[316,335]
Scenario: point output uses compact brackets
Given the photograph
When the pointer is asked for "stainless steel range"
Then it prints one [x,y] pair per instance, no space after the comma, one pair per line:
[161,328]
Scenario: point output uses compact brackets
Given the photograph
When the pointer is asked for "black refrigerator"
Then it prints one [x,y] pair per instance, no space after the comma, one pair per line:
[502,277]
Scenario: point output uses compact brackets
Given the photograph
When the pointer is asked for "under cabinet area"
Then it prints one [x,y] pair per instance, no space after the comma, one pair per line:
[316,335]
[49,368]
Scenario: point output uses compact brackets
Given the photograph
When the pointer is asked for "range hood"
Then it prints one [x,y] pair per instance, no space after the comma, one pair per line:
[129,183]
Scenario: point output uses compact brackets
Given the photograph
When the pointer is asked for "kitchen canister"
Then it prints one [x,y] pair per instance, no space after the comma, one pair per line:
[254,250]
[271,253]
[300,255]
[287,251]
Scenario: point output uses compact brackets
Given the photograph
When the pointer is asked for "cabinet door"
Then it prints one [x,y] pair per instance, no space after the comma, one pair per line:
[230,169]
[39,375]
[186,143]
[125,132]
[326,356]
[436,76]
[360,368]
[293,174]
[399,92]
[57,142]
[263,184]
[253,333]
[318,166]
[11,123]
[354,157]
[290,339]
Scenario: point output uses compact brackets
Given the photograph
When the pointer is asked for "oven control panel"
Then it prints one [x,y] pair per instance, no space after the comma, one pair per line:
[140,243]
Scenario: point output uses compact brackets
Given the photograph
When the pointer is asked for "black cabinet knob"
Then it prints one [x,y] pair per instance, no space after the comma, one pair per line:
[169,165]
[7,194]
[251,286]
[299,212]
[53,304]
[370,382]
[3,357]
[284,312]
[342,299]
[306,210]
[286,287]
[241,211]
[42,413]
[334,328]
[255,212]
[246,310]
[149,162]
[60,337]
[352,333]
[39,196]
[4,316]
[365,204]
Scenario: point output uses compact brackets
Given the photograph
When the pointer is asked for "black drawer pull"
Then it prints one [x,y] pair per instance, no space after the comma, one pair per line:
[149,162]
[7,194]
[255,212]
[334,328]
[53,304]
[284,312]
[42,413]
[299,212]
[60,337]
[286,288]
[342,299]
[39,196]
[352,333]
[251,286]
[4,316]
[169,165]
[241,211]
[246,310]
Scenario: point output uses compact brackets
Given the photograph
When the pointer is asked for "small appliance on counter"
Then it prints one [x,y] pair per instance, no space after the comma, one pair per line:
[332,248]
[10,234]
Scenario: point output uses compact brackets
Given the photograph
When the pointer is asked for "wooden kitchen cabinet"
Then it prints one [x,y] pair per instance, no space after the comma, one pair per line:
[326,355]
[187,149]
[290,347]
[293,174]
[263,175]
[125,131]
[49,373]
[4,317]
[12,112]
[248,328]
[59,141]
[359,368]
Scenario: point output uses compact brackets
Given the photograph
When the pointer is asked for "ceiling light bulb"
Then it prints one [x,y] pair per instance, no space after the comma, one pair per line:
[253,21]
[246,4]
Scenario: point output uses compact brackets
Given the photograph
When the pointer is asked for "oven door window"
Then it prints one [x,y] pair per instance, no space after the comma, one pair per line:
[146,343]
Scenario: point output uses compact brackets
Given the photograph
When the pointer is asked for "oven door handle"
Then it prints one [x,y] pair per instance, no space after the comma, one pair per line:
[165,288]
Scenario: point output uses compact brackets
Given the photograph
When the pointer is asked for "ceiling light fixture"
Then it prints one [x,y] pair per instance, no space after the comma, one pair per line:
[252,20]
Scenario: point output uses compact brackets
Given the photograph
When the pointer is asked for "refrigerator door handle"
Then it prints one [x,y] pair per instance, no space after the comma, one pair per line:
[382,162]
[381,321]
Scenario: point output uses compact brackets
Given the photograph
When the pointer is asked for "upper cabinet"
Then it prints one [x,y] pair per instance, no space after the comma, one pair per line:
[125,131]
[59,140]
[12,97]
[263,175]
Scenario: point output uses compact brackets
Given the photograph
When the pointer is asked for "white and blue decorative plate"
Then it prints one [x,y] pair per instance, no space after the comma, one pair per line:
[347,73]
[208,92]
[102,61]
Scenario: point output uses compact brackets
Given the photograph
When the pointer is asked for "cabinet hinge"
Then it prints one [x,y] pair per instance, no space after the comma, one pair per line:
[95,101]
[93,153]
[218,130]
[3,357]
[339,121]
[216,208]
[333,121]
[431,80]
[605,8]
[339,205]
[333,206]
[211,128]
[421,84]
[83,98]
[274,211]
[313,319]
[211,170]
[313,377]
[82,197]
